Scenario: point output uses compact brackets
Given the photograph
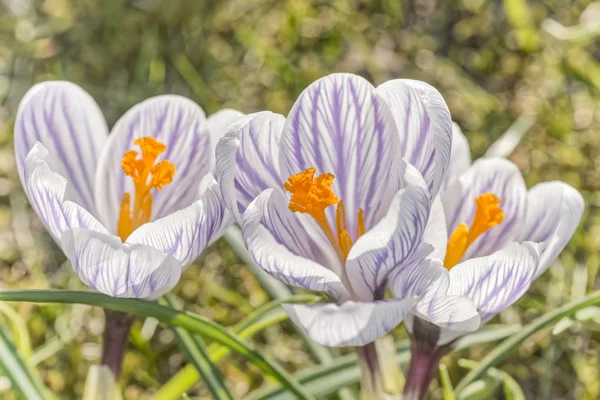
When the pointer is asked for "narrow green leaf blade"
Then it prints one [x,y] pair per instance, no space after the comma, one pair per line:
[23,380]
[323,380]
[195,350]
[191,322]
[503,349]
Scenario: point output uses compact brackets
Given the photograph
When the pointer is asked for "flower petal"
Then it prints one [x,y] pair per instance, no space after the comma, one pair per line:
[69,123]
[351,323]
[120,269]
[460,159]
[388,245]
[420,275]
[178,123]
[46,191]
[496,281]
[277,243]
[219,122]
[554,210]
[424,124]
[186,233]
[248,160]
[499,177]
[436,233]
[340,125]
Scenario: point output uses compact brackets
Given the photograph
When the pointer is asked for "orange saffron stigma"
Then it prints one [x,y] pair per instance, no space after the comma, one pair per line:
[146,175]
[487,215]
[312,196]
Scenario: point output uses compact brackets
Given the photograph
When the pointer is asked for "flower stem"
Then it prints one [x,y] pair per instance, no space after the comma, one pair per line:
[424,359]
[116,337]
[371,380]
[424,363]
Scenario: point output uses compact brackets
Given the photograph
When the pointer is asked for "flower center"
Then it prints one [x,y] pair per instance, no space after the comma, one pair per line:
[146,175]
[312,196]
[487,215]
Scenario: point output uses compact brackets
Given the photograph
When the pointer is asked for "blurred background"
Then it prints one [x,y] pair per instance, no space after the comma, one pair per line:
[533,67]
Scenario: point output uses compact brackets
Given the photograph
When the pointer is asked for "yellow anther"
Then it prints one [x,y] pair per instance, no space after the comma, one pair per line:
[151,149]
[162,174]
[146,176]
[487,215]
[312,196]
[360,228]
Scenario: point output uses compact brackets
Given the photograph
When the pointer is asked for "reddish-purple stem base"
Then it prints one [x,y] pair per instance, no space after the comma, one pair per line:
[423,367]
[116,339]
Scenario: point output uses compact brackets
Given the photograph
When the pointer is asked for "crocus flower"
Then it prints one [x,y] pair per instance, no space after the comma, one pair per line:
[335,198]
[497,238]
[129,210]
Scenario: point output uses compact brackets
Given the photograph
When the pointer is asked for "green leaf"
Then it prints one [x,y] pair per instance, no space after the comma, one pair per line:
[100,384]
[263,317]
[502,350]
[23,380]
[191,322]
[446,383]
[482,389]
[512,390]
[19,329]
[195,350]
[323,380]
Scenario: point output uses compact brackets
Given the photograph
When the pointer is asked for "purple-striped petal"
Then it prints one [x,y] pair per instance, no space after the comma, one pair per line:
[340,125]
[350,323]
[425,127]
[69,123]
[278,244]
[175,121]
[219,122]
[499,177]
[496,281]
[248,160]
[46,191]
[388,246]
[554,210]
[120,269]
[186,233]
[460,159]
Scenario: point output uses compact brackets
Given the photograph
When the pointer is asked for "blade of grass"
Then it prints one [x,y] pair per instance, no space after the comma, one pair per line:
[323,380]
[503,349]
[19,329]
[23,380]
[446,383]
[506,144]
[512,390]
[195,349]
[263,317]
[191,322]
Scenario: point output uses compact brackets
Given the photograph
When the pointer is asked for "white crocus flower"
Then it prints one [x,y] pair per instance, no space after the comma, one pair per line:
[335,198]
[129,210]
[495,237]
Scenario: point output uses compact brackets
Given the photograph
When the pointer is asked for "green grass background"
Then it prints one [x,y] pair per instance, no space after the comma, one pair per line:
[493,61]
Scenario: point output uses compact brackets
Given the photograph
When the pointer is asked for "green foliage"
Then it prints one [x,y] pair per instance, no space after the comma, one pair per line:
[534,62]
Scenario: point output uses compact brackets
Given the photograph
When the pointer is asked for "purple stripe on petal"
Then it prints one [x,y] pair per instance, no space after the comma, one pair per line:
[339,125]
[68,122]
[178,123]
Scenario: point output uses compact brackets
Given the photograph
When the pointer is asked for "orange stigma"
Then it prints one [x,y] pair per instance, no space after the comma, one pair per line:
[487,215]
[146,175]
[312,196]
